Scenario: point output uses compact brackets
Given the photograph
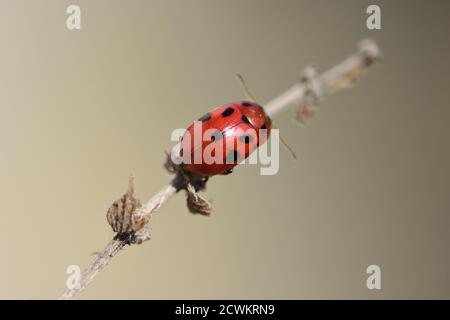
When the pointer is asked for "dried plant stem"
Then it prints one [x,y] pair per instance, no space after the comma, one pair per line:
[309,91]
[114,246]
[340,76]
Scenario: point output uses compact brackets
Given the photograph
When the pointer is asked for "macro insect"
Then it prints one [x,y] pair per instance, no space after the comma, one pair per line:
[234,130]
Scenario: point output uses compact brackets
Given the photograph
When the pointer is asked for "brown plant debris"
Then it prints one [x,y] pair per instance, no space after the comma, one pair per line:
[124,219]
[192,184]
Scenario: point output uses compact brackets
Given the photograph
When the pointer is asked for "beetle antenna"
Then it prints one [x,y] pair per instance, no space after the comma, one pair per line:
[251,97]
[288,148]
[247,91]
[285,144]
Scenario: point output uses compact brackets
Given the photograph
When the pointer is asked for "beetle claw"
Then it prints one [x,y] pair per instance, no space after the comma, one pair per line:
[228,171]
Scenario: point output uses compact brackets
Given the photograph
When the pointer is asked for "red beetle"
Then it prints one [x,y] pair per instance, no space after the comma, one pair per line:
[234,129]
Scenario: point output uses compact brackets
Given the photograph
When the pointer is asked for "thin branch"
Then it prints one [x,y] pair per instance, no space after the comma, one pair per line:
[340,76]
[306,94]
[102,259]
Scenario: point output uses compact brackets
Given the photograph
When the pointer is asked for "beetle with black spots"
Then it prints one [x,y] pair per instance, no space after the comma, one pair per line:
[239,127]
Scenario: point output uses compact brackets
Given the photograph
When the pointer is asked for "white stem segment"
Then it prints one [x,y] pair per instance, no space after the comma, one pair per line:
[339,76]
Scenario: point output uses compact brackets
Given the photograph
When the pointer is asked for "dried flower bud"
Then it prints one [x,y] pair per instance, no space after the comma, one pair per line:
[196,203]
[125,216]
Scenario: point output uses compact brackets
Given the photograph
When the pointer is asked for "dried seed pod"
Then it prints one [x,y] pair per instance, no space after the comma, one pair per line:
[138,220]
[305,111]
[347,79]
[196,203]
[309,103]
[124,216]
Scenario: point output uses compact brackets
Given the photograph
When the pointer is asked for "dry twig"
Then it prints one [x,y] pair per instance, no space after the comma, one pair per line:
[306,94]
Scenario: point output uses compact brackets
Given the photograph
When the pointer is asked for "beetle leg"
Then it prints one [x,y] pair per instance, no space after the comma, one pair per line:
[228,171]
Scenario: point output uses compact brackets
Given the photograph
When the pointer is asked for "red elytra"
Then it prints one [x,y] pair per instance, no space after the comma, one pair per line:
[237,129]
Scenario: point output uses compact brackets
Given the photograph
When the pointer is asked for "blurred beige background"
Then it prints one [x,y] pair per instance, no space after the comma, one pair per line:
[80,110]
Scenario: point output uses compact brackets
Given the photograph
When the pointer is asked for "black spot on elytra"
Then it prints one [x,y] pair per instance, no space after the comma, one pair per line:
[264,127]
[218,135]
[246,138]
[247,104]
[227,112]
[205,117]
[232,156]
[245,119]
